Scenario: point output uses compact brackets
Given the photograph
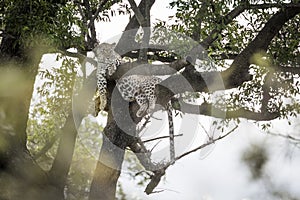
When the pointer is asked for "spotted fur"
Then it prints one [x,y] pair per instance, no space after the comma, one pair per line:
[141,89]
[171,133]
[137,88]
[107,62]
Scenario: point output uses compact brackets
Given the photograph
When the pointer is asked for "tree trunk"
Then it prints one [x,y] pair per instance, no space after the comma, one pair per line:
[115,140]
[62,162]
[108,169]
[110,161]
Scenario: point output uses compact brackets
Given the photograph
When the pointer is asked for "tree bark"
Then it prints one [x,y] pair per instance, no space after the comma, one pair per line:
[109,164]
[108,168]
[62,162]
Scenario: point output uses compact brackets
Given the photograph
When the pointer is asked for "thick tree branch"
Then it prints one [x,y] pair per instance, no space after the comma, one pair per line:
[236,12]
[205,82]
[238,71]
[146,35]
[273,5]
[144,21]
[133,23]
[293,70]
[155,57]
[91,34]
[139,16]
[127,42]
[290,9]
[108,169]
[210,110]
[62,162]
[144,157]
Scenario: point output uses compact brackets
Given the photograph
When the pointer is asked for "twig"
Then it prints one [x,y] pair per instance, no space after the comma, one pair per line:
[206,132]
[155,146]
[162,137]
[290,137]
[141,172]
[206,144]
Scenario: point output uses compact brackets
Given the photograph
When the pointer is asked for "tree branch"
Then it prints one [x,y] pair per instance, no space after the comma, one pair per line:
[281,17]
[236,12]
[210,110]
[100,9]
[47,146]
[139,16]
[211,141]
[238,71]
[62,162]
[144,157]
[156,177]
[127,41]
[289,137]
[293,70]
[273,5]
[159,138]
[225,21]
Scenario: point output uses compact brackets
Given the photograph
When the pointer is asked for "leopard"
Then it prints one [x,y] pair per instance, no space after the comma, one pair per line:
[141,88]
[107,63]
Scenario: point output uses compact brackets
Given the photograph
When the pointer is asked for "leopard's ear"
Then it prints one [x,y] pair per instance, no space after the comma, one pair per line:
[96,44]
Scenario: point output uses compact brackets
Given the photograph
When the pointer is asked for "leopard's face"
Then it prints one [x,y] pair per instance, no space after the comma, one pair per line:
[104,51]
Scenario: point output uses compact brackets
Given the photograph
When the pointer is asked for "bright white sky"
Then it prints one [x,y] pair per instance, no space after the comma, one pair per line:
[107,30]
[221,175]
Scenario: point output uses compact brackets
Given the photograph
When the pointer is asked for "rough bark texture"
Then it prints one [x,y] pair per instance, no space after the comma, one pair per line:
[115,140]
[238,71]
[109,165]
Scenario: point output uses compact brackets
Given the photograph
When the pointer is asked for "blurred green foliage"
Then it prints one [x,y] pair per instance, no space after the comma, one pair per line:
[35,21]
